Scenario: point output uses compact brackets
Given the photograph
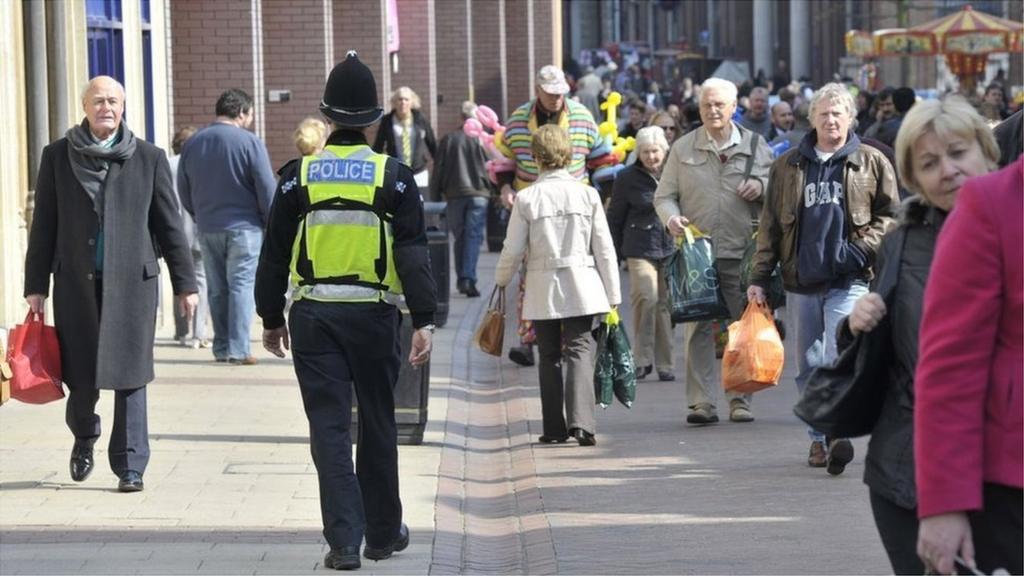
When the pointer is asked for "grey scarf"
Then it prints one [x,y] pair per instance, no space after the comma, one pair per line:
[90,161]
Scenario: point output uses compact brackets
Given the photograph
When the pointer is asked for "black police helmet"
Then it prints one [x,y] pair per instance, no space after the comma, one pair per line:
[350,96]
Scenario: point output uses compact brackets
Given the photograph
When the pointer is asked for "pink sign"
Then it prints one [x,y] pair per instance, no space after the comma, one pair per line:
[393,43]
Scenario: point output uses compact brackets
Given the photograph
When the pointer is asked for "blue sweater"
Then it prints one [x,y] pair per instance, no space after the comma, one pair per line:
[825,258]
[225,180]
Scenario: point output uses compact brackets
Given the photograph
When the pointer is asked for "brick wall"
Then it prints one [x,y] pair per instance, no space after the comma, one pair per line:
[414,54]
[211,51]
[517,53]
[293,59]
[357,26]
[452,64]
[486,55]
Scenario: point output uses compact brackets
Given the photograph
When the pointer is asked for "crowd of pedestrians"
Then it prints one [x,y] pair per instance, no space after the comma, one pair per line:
[808,180]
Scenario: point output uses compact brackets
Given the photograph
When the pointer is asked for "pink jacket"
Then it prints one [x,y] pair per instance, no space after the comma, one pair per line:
[969,397]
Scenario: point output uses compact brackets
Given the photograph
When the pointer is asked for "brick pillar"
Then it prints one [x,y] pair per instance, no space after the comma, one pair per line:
[211,51]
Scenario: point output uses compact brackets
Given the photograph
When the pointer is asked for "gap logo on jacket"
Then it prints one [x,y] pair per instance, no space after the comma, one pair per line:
[825,259]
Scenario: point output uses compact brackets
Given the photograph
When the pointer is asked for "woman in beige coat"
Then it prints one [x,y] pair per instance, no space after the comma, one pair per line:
[572,280]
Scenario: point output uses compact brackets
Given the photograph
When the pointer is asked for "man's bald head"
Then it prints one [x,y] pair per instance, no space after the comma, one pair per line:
[782,115]
[103,104]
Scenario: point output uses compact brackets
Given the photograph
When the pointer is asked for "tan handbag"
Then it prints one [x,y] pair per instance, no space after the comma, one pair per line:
[490,335]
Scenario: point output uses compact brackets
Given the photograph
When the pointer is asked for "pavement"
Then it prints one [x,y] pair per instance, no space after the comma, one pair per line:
[231,488]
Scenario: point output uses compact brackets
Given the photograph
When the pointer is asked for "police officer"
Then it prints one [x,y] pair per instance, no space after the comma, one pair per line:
[347,227]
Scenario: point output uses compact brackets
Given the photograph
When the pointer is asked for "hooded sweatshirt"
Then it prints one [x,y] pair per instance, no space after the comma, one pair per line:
[825,259]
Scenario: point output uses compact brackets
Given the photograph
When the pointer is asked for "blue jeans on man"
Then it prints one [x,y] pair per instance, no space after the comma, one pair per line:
[230,258]
[816,317]
[467,216]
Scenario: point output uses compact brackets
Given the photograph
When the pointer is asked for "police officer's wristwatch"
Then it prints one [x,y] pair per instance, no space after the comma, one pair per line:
[429,327]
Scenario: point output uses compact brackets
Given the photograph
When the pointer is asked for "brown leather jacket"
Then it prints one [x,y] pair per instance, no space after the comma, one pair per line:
[871,197]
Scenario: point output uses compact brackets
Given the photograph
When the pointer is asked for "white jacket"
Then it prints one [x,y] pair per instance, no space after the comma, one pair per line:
[571,267]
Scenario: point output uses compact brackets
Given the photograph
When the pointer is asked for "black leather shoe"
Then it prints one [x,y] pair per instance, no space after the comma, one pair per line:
[545,439]
[471,291]
[461,285]
[344,558]
[399,544]
[82,461]
[522,355]
[583,437]
[131,481]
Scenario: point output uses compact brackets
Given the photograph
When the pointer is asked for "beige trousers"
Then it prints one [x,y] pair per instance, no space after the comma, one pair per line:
[701,385]
[652,324]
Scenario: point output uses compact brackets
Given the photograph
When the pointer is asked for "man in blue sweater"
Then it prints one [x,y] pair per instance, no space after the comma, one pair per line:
[226,184]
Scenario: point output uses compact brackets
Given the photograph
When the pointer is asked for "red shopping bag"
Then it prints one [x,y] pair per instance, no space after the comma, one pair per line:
[34,356]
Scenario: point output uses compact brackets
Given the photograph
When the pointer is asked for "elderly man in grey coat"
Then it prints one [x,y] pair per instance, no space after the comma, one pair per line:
[105,209]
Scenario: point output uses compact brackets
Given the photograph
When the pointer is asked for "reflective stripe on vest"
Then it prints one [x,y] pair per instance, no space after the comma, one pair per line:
[343,251]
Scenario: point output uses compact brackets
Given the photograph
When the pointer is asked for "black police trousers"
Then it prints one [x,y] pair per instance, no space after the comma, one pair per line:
[336,346]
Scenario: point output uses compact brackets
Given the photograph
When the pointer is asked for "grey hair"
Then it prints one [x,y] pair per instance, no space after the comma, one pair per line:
[651,135]
[719,85]
[468,109]
[833,93]
[405,90]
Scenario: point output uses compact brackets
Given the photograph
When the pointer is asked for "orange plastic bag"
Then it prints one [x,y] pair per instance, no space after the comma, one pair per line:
[754,355]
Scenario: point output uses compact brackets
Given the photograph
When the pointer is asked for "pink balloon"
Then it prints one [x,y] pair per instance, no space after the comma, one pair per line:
[472,128]
[487,117]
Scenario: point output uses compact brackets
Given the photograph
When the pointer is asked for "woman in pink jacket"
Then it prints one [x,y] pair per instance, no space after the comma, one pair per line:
[969,395]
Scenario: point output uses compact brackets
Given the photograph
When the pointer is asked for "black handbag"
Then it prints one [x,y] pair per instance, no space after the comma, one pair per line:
[844,400]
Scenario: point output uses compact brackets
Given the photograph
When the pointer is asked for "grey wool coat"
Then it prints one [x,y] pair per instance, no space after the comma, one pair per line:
[112,350]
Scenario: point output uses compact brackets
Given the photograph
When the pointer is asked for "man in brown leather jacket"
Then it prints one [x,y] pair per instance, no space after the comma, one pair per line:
[829,203]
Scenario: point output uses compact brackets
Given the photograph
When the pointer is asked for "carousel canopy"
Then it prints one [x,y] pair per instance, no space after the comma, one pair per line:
[964,33]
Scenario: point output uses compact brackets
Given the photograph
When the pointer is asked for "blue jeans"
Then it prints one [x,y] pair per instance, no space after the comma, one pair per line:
[816,317]
[467,217]
[230,258]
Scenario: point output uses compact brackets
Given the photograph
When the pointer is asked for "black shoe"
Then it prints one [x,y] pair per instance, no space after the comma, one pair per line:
[840,453]
[471,291]
[131,481]
[666,375]
[400,543]
[583,437]
[462,285]
[82,461]
[345,558]
[643,371]
[522,355]
[546,439]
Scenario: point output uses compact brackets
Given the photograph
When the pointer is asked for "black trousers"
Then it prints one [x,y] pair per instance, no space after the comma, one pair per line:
[336,346]
[898,528]
[997,530]
[129,439]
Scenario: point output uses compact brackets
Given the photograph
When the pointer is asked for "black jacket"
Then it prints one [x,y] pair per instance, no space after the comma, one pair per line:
[459,168]
[636,229]
[403,203]
[889,465]
[423,143]
[113,350]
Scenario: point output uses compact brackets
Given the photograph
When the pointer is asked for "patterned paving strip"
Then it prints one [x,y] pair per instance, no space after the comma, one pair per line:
[490,517]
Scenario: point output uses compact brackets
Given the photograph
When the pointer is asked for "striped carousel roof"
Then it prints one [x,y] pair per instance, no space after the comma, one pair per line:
[967,20]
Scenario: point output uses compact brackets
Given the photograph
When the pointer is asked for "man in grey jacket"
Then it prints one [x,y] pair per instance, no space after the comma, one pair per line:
[460,176]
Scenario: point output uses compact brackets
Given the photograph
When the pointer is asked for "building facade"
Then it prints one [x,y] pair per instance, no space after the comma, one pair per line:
[175,57]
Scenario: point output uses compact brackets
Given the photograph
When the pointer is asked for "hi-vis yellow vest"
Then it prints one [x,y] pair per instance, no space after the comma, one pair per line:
[342,252]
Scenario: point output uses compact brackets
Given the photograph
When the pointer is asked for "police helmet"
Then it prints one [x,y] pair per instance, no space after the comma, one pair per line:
[350,96]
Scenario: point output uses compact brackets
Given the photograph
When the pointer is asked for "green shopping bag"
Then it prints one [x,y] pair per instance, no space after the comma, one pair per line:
[615,372]
[693,289]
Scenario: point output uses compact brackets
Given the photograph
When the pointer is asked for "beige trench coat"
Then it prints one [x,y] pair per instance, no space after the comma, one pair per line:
[571,267]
